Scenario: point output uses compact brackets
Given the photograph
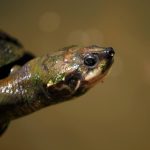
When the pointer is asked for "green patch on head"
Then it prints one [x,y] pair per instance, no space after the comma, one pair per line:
[56,79]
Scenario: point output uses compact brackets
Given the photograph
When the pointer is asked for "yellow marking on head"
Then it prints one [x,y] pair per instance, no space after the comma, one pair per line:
[96,71]
[50,82]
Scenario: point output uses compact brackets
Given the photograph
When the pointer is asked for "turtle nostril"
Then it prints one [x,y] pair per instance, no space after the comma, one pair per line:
[110,52]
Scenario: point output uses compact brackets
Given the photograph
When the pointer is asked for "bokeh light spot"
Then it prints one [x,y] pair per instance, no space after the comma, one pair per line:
[49,21]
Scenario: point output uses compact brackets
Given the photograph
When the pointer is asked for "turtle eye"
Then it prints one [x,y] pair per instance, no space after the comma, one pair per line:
[91,60]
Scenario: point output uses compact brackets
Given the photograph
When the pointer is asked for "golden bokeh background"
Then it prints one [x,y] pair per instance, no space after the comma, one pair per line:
[112,116]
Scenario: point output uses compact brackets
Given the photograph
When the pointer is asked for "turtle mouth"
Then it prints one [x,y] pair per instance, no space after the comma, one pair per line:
[108,65]
[101,74]
[97,74]
[106,58]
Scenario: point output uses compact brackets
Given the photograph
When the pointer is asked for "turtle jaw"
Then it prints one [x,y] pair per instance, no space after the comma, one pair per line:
[97,74]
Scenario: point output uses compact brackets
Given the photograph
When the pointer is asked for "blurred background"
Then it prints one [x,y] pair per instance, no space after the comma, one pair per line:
[114,115]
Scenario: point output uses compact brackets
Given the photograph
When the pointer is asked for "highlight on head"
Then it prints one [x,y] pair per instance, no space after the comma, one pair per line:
[81,68]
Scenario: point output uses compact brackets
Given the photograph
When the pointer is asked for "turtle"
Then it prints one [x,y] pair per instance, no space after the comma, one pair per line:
[29,83]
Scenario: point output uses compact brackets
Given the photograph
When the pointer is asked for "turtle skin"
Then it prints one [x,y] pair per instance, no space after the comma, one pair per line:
[46,80]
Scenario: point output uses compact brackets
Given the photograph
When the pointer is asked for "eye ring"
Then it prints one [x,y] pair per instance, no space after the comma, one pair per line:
[91,60]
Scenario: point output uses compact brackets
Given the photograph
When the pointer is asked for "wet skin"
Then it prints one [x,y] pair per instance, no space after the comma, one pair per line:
[52,79]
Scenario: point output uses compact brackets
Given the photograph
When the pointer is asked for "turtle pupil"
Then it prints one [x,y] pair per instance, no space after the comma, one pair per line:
[91,60]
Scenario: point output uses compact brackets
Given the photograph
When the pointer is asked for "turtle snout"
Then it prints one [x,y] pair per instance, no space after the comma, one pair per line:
[109,52]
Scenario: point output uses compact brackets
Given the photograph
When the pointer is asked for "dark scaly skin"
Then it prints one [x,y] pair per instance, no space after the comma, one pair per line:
[51,79]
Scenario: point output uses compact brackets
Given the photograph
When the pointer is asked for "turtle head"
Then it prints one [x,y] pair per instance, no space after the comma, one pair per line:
[78,69]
